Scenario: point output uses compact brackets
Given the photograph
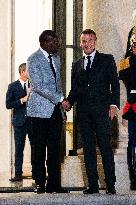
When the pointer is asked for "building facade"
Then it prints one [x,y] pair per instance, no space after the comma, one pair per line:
[21,22]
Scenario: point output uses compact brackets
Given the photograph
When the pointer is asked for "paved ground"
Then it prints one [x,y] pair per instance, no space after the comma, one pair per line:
[67,199]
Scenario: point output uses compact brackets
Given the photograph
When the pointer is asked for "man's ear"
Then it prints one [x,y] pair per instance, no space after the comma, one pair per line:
[21,72]
[45,45]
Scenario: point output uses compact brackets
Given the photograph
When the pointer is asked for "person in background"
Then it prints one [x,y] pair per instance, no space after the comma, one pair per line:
[16,99]
[129,43]
[95,89]
[44,109]
[127,74]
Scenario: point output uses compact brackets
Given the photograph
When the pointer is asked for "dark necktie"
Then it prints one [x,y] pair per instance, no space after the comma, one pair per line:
[28,83]
[52,68]
[25,88]
[88,64]
[88,69]
[51,65]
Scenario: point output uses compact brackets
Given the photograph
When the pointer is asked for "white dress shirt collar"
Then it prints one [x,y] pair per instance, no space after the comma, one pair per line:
[92,55]
[86,60]
[22,82]
[45,53]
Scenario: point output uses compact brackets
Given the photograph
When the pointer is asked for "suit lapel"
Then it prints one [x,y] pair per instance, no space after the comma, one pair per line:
[19,85]
[20,88]
[55,59]
[95,61]
[80,67]
[81,64]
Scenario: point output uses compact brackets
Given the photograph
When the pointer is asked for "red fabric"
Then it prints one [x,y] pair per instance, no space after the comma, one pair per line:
[134,107]
[128,106]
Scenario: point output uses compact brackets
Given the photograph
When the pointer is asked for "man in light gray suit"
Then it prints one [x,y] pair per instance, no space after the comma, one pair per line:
[45,112]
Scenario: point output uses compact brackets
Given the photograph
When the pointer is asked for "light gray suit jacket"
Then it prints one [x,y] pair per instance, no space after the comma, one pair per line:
[43,97]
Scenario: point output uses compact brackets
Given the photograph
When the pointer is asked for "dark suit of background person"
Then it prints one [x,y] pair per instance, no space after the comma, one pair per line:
[16,98]
[45,113]
[128,76]
[94,91]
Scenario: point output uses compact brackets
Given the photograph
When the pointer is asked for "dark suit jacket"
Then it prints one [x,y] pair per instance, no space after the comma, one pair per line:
[14,93]
[103,89]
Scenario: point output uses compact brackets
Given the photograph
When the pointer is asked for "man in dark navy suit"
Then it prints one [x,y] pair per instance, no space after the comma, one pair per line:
[95,89]
[16,99]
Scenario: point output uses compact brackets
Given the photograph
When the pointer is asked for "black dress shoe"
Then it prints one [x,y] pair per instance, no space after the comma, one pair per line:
[58,190]
[39,189]
[17,178]
[91,191]
[111,190]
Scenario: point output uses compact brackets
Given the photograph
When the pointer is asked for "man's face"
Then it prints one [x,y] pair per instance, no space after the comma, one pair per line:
[24,75]
[87,43]
[52,45]
[134,49]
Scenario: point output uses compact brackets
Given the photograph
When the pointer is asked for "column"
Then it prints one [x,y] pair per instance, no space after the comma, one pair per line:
[5,78]
[112,21]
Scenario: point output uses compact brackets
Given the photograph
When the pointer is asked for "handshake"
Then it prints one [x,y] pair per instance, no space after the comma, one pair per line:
[66,105]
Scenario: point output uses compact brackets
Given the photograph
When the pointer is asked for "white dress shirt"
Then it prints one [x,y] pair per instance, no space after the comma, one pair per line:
[92,55]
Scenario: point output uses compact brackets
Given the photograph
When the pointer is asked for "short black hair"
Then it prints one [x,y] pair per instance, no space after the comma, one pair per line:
[88,31]
[46,36]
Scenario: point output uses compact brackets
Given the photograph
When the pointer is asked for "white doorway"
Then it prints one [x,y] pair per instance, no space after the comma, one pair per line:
[31,18]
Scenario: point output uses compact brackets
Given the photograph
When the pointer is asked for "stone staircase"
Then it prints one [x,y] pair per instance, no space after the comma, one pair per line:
[74,181]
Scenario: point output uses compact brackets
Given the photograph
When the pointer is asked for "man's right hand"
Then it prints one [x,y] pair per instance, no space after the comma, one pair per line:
[24,99]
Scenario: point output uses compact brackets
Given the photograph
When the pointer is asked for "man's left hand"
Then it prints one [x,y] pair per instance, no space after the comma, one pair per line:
[113,111]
